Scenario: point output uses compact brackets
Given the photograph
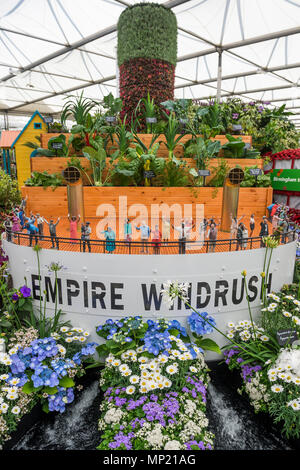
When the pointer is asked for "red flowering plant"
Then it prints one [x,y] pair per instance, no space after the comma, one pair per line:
[141,76]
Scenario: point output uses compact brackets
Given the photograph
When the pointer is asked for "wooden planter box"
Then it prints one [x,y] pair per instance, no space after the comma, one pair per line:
[51,203]
[58,164]
[146,139]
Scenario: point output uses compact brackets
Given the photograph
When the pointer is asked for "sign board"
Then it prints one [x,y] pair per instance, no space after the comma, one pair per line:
[48,119]
[110,118]
[237,127]
[57,145]
[286,336]
[183,121]
[149,174]
[151,120]
[203,172]
[94,286]
[255,171]
[285,180]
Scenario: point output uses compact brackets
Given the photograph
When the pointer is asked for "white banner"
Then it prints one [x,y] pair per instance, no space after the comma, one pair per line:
[95,287]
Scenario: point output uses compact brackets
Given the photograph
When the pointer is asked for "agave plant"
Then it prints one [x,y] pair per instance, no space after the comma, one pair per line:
[171,135]
[97,157]
[78,109]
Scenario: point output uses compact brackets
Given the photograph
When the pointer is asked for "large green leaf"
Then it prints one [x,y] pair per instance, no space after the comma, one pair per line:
[28,388]
[66,382]
[209,345]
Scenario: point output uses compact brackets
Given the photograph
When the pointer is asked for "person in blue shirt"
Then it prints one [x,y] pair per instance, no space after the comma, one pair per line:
[32,231]
[127,231]
[110,237]
[145,234]
[21,217]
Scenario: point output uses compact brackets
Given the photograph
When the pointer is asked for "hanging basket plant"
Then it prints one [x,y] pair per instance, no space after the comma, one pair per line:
[147,54]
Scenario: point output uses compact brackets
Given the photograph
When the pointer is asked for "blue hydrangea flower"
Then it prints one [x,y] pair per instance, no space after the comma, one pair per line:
[199,323]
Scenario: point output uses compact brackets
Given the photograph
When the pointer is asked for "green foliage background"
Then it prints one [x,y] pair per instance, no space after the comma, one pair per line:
[149,31]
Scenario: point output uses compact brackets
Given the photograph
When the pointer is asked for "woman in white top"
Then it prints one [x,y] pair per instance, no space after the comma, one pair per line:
[245,238]
[252,225]
[234,226]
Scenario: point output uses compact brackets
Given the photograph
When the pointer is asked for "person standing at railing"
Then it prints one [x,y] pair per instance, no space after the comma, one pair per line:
[73,226]
[212,237]
[52,232]
[234,226]
[283,224]
[8,228]
[40,225]
[202,230]
[145,234]
[86,236]
[127,231]
[166,226]
[156,239]
[21,215]
[183,234]
[110,237]
[245,237]
[32,231]
[252,225]
[264,230]
[239,236]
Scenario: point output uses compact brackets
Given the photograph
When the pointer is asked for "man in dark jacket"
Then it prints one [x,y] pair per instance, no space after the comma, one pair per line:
[52,232]
[264,230]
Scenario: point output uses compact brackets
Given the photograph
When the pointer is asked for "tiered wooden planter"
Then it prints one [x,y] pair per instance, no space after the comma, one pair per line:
[54,203]
[146,139]
[51,203]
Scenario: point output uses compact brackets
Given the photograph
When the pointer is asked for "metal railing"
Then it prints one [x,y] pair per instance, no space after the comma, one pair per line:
[181,246]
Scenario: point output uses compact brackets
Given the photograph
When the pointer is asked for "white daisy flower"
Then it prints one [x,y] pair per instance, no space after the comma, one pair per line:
[130,390]
[277,388]
[16,410]
[134,379]
[172,369]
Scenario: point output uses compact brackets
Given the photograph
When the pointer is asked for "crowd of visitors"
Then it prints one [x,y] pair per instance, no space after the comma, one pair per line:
[277,223]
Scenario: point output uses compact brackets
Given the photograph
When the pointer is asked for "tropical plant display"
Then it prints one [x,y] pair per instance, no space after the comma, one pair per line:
[154,384]
[147,54]
[44,179]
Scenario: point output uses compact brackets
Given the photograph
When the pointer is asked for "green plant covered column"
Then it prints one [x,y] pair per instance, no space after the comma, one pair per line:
[147,53]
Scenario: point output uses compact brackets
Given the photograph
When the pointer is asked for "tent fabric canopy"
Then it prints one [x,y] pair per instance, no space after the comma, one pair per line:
[51,49]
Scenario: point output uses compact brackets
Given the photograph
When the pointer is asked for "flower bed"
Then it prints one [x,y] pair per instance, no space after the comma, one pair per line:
[271,377]
[154,383]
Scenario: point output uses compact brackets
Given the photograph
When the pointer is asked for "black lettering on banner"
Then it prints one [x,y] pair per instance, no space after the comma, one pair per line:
[252,288]
[35,287]
[236,300]
[114,296]
[199,302]
[222,294]
[72,293]
[152,295]
[50,289]
[99,296]
[85,294]
[179,305]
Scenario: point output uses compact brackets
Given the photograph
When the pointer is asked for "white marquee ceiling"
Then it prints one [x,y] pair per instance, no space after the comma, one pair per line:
[50,49]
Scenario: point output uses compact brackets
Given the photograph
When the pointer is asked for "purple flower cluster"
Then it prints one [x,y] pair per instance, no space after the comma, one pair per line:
[166,411]
[24,292]
[121,439]
[198,388]
[200,445]
[248,371]
[228,353]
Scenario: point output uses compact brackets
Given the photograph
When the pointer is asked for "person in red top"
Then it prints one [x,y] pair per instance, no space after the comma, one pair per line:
[156,239]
